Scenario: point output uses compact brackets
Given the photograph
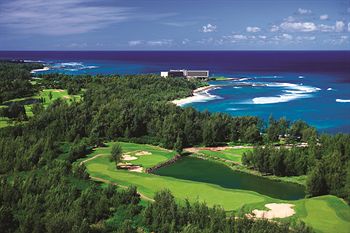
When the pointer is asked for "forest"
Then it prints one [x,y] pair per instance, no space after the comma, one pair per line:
[44,191]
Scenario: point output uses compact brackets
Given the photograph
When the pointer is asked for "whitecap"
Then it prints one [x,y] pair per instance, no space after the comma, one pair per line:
[342,101]
[301,76]
[329,89]
[292,92]
[234,109]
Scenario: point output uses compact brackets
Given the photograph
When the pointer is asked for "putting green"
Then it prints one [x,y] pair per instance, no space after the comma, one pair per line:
[326,214]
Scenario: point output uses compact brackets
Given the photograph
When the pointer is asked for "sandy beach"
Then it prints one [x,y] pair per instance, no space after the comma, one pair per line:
[198,95]
[38,70]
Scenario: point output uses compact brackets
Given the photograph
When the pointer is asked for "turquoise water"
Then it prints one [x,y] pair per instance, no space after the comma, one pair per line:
[311,86]
[190,168]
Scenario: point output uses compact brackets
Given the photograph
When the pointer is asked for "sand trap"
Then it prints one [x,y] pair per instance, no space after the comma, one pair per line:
[131,168]
[127,157]
[66,97]
[135,169]
[219,148]
[143,153]
[58,90]
[280,210]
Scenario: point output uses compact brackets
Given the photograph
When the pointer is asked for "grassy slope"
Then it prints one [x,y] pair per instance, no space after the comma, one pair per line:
[322,213]
[234,155]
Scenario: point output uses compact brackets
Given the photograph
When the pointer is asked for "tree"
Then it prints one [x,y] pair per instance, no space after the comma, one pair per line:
[178,144]
[316,183]
[16,111]
[273,130]
[116,154]
[37,108]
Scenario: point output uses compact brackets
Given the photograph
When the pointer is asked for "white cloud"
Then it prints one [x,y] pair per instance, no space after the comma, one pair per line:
[239,37]
[348,27]
[209,28]
[65,17]
[326,28]
[163,42]
[290,19]
[185,41]
[274,28]
[253,29]
[304,11]
[310,38]
[339,26]
[299,26]
[287,36]
[263,37]
[135,42]
[324,17]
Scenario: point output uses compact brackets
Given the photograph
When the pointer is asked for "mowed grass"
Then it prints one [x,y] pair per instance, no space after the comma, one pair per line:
[56,94]
[149,184]
[157,155]
[324,214]
[232,154]
[4,122]
[45,95]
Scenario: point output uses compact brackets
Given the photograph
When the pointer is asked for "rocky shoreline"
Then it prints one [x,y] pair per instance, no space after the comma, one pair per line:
[151,170]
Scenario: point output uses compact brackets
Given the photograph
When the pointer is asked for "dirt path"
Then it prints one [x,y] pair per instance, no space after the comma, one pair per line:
[86,160]
[123,186]
[219,148]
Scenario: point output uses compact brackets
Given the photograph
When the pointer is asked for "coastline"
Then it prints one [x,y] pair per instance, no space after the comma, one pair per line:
[38,70]
[200,94]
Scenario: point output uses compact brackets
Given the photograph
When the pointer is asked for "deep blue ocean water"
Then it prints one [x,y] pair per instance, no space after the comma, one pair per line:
[312,86]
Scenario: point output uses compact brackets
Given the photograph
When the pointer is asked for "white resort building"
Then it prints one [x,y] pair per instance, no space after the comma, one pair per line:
[200,74]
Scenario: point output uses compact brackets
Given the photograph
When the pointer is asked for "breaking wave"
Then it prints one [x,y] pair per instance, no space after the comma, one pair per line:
[292,92]
[342,101]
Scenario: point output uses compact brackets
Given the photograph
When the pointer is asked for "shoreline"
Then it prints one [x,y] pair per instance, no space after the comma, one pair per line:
[198,95]
[46,68]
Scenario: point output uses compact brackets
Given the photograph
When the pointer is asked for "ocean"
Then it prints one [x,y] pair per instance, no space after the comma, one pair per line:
[313,86]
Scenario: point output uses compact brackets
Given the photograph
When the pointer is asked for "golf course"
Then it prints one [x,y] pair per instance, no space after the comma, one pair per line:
[216,184]
[46,96]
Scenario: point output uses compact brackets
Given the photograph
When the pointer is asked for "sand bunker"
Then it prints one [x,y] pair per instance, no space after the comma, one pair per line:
[135,169]
[127,157]
[280,210]
[131,168]
[143,153]
[66,97]
[58,90]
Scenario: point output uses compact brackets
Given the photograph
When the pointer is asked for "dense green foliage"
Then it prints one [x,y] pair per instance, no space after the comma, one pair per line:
[42,190]
[116,154]
[326,162]
[165,216]
[14,79]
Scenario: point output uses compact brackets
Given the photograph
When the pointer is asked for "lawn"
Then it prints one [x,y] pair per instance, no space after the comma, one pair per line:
[45,95]
[56,94]
[324,213]
[4,122]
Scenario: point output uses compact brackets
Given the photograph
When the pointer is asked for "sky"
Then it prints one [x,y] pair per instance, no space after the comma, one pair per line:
[174,24]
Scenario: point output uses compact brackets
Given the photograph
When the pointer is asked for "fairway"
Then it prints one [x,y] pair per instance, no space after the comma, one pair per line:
[230,154]
[324,213]
[45,96]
